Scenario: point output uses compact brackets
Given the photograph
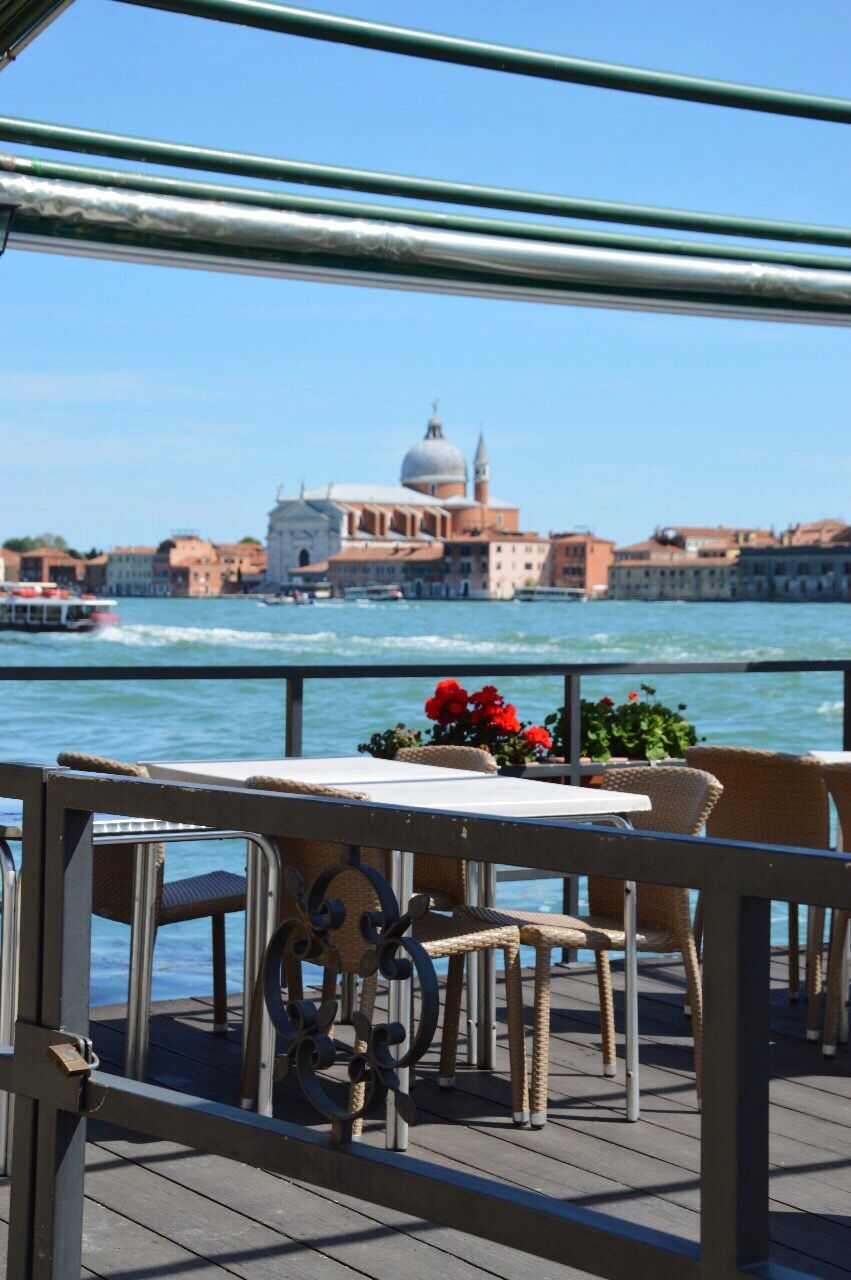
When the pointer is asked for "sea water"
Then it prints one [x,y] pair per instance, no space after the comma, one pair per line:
[245,718]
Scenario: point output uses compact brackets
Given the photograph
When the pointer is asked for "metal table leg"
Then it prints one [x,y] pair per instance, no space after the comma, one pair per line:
[487,976]
[402,884]
[8,987]
[142,937]
[263,907]
[633,1104]
[472,974]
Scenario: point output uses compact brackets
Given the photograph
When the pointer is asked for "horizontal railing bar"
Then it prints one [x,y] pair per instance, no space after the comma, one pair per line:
[289,20]
[263,197]
[396,670]
[820,878]
[38,133]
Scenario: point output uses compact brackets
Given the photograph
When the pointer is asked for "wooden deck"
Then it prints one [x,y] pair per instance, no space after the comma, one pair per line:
[154,1209]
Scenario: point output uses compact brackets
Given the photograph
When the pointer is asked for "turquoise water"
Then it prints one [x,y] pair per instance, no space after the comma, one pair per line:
[176,720]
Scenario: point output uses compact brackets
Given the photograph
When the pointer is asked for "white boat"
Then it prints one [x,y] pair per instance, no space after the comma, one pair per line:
[374,593]
[42,606]
[550,593]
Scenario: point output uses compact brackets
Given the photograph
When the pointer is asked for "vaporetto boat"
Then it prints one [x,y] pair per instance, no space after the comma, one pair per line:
[43,606]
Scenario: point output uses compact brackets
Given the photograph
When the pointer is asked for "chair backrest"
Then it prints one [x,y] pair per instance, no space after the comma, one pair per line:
[310,857]
[769,797]
[113,865]
[682,800]
[838,780]
[445,879]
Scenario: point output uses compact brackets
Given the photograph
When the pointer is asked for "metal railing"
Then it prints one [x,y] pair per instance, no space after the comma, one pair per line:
[51,1108]
[571,674]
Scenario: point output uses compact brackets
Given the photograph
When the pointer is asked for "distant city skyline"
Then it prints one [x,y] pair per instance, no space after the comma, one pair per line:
[137,400]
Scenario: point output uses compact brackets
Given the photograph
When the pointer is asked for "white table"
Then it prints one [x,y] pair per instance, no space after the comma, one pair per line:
[459,791]
[832,757]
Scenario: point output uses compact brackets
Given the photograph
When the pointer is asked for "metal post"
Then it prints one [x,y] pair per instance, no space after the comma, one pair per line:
[46,1219]
[472,974]
[734,1144]
[573,739]
[633,1092]
[294,723]
[402,883]
[143,932]
[8,960]
[487,976]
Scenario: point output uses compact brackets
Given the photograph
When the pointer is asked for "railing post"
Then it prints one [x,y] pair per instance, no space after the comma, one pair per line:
[846,711]
[734,1123]
[294,722]
[48,1162]
[572,721]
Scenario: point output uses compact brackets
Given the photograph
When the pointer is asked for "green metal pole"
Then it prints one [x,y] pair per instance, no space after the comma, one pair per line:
[123,179]
[333,27]
[182,155]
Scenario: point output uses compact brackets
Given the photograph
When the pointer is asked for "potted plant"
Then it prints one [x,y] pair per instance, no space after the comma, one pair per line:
[481,719]
[640,728]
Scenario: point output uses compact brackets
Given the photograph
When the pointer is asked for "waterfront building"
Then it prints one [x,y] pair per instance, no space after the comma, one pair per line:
[803,571]
[581,561]
[130,571]
[186,565]
[94,575]
[47,564]
[429,504]
[491,565]
[243,566]
[677,578]
[10,565]
[832,529]
[416,568]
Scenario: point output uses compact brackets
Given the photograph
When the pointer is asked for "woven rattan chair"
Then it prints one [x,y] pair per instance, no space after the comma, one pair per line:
[838,780]
[681,802]
[445,879]
[773,798]
[441,936]
[214,894]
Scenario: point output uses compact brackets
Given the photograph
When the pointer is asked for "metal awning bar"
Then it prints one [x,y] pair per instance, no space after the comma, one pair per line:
[214,160]
[22,20]
[74,218]
[270,199]
[338,29]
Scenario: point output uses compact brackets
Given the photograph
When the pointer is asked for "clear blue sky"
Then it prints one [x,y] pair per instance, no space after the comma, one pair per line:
[135,400]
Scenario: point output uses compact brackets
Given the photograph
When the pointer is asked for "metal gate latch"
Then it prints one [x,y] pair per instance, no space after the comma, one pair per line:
[69,1060]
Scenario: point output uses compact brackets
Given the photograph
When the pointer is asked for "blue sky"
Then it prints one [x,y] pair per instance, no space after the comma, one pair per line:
[136,400]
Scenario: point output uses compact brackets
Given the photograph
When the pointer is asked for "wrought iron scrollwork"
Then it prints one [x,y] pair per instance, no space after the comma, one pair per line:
[305,1027]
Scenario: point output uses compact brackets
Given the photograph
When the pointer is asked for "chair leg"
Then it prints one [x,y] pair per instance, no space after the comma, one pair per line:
[694,987]
[697,927]
[357,1092]
[541,1036]
[451,1020]
[516,1036]
[815,954]
[220,987]
[607,1011]
[794,954]
[836,982]
[138,1011]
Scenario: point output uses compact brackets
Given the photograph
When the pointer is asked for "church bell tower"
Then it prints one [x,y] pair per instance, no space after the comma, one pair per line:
[481,473]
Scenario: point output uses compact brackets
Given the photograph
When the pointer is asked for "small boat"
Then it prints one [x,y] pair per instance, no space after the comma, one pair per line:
[527,594]
[374,593]
[42,606]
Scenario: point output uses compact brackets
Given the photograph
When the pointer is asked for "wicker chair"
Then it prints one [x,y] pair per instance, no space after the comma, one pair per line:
[682,799]
[445,879]
[838,780]
[774,798]
[214,894]
[441,936]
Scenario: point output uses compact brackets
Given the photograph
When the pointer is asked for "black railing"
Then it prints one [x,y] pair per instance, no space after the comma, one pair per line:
[51,1107]
[571,673]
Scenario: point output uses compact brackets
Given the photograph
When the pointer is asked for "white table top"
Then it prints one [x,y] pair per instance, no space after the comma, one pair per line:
[414,786]
[104,824]
[832,757]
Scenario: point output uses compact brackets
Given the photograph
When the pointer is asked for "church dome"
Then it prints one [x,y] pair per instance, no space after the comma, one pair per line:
[434,461]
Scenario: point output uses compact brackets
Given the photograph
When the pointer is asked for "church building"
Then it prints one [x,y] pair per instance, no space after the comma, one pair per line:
[430,505]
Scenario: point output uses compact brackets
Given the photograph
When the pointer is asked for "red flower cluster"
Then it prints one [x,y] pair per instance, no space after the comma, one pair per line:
[606,702]
[448,702]
[538,737]
[491,711]
[633,697]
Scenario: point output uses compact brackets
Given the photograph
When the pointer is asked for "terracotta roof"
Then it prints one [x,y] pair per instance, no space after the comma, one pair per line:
[494,535]
[580,537]
[136,551]
[52,553]
[831,529]
[10,557]
[405,551]
[320,567]
[681,562]
[102,559]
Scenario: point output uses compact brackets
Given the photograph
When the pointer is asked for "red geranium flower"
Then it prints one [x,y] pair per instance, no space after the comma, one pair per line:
[537,736]
[633,697]
[505,718]
[606,702]
[447,701]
